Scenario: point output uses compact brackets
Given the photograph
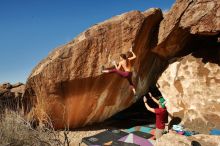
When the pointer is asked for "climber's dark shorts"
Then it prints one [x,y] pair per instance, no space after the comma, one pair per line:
[124,74]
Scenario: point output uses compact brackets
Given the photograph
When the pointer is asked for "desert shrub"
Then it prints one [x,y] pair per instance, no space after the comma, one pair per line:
[15,131]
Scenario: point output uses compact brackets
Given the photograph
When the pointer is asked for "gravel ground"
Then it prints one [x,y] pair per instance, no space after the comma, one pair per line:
[76,136]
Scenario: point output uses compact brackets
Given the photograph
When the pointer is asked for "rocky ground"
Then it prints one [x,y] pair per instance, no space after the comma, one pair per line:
[172,139]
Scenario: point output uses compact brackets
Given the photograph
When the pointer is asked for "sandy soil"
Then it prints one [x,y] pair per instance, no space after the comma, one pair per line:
[75,137]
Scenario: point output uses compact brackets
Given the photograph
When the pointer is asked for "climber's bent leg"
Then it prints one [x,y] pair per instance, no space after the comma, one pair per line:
[129,78]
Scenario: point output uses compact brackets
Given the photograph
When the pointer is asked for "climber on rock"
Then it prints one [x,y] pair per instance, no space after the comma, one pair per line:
[125,63]
[161,114]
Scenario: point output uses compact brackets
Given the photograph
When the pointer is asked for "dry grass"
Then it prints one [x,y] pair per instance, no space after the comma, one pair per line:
[15,131]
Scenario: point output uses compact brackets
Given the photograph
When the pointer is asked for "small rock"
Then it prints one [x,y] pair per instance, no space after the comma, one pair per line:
[6,86]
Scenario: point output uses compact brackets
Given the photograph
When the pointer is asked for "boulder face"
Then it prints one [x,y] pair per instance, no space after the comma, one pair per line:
[186,19]
[68,85]
[192,90]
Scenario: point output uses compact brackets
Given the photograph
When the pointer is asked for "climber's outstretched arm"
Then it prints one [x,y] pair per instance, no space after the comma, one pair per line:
[147,106]
[154,99]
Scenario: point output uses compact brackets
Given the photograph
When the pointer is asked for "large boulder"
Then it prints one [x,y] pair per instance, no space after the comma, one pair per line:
[192,89]
[191,84]
[186,20]
[68,86]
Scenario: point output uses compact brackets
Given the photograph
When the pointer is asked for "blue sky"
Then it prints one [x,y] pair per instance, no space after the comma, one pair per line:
[30,29]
